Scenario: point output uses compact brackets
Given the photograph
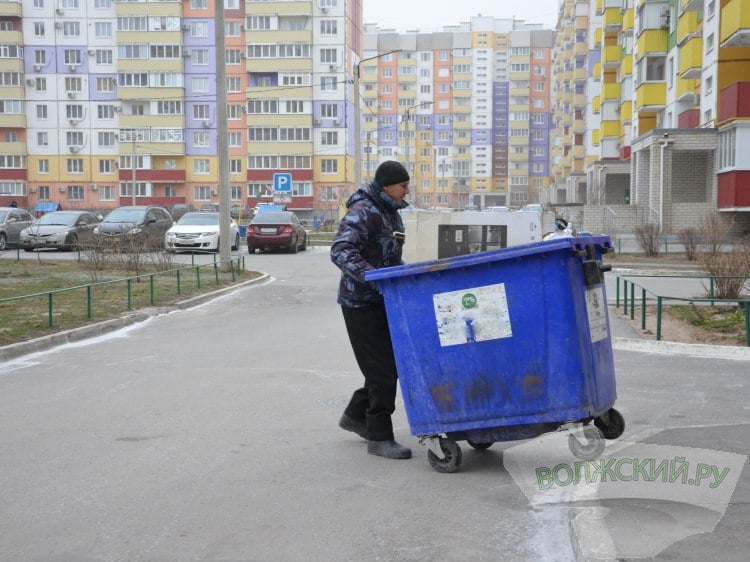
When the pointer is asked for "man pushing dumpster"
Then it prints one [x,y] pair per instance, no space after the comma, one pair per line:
[371,236]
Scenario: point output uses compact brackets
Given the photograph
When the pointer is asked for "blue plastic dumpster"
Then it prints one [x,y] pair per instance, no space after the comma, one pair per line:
[503,345]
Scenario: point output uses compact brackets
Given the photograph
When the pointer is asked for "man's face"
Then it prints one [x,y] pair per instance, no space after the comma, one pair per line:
[398,191]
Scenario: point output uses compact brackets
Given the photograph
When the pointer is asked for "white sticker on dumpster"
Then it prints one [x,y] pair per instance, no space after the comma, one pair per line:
[596,310]
[472,315]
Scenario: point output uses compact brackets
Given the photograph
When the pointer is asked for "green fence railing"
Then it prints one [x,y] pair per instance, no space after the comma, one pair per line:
[626,295]
[73,306]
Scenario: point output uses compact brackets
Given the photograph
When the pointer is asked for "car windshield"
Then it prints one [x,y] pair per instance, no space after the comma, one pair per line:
[3,214]
[125,215]
[202,218]
[62,219]
[269,217]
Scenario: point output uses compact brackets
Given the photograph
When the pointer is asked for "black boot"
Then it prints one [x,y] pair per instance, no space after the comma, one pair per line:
[350,424]
[388,449]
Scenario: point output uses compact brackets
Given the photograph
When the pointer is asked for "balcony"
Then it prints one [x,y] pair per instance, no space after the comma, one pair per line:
[626,111]
[735,24]
[687,90]
[691,58]
[11,9]
[627,21]
[626,66]
[610,92]
[687,26]
[611,55]
[279,8]
[598,37]
[596,104]
[651,96]
[652,41]
[612,19]
[692,5]
[734,102]
[690,119]
[610,129]
[595,137]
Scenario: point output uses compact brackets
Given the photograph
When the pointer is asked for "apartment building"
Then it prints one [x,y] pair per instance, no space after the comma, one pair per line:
[666,131]
[105,103]
[466,109]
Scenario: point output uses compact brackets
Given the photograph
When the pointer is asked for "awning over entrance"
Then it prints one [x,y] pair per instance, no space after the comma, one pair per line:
[47,207]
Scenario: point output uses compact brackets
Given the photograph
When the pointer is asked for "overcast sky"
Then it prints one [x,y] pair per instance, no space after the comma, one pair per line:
[432,15]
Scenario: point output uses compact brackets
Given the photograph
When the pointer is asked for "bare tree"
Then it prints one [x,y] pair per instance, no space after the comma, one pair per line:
[714,231]
[649,238]
[689,238]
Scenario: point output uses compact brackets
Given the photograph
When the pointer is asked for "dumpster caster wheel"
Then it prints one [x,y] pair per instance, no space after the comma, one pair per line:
[611,424]
[452,459]
[479,446]
[591,447]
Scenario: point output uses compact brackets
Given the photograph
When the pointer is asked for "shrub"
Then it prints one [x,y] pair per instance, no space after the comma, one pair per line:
[648,237]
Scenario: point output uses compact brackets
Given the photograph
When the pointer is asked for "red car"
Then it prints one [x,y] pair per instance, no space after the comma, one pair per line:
[276,230]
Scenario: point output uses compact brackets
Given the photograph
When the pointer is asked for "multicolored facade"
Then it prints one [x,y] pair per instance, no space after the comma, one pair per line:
[667,117]
[466,109]
[106,103]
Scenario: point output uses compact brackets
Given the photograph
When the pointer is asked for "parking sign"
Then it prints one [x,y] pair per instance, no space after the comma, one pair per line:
[282,183]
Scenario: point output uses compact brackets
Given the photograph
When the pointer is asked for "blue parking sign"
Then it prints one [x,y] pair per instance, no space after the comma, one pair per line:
[282,183]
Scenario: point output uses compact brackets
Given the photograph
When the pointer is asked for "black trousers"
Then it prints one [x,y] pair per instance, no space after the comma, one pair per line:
[371,341]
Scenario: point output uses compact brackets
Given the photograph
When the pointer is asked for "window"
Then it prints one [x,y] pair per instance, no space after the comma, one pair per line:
[329,111]
[71,28]
[42,138]
[328,84]
[329,166]
[74,165]
[201,166]
[200,140]
[235,165]
[106,138]
[43,167]
[38,29]
[201,193]
[329,193]
[103,29]
[328,27]
[329,138]
[106,166]
[106,193]
[328,56]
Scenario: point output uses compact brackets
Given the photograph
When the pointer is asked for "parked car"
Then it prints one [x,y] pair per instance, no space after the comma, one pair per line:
[532,208]
[271,230]
[210,207]
[199,231]
[12,222]
[143,225]
[63,230]
[241,212]
[179,209]
[497,209]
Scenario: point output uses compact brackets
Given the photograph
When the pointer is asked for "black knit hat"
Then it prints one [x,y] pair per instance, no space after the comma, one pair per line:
[390,172]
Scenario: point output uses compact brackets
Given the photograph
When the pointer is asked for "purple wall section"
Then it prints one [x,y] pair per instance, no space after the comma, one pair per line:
[594,57]
[193,98]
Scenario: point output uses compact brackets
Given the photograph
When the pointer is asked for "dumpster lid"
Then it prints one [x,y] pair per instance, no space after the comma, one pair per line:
[47,207]
[571,243]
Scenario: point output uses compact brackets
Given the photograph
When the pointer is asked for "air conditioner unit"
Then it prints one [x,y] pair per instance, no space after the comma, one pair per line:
[58,25]
[242,27]
[73,122]
[32,190]
[74,149]
[214,192]
[337,122]
[72,95]
[91,52]
[30,81]
[316,122]
[206,125]
[185,27]
[60,11]
[62,189]
[324,10]
[243,109]
[332,67]
[93,187]
[37,67]
[117,109]
[187,53]
[243,55]
[71,68]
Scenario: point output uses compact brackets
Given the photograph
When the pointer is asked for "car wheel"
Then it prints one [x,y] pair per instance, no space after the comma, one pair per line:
[236,243]
[28,248]
[304,244]
[73,244]
[294,247]
[250,250]
[3,241]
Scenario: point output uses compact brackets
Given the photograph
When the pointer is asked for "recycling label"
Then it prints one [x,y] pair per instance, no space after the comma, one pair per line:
[472,315]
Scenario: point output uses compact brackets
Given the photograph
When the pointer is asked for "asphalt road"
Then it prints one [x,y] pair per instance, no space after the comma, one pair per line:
[211,434]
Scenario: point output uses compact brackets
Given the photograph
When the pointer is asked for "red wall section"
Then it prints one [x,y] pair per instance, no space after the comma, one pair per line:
[734,189]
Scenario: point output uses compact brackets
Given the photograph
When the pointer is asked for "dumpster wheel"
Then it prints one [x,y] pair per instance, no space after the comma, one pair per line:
[479,446]
[452,459]
[591,447]
[611,424]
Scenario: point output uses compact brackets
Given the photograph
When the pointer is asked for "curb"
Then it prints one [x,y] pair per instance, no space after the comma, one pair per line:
[688,349]
[43,343]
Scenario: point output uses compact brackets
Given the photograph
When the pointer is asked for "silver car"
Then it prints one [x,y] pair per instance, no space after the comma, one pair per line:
[12,222]
[63,230]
